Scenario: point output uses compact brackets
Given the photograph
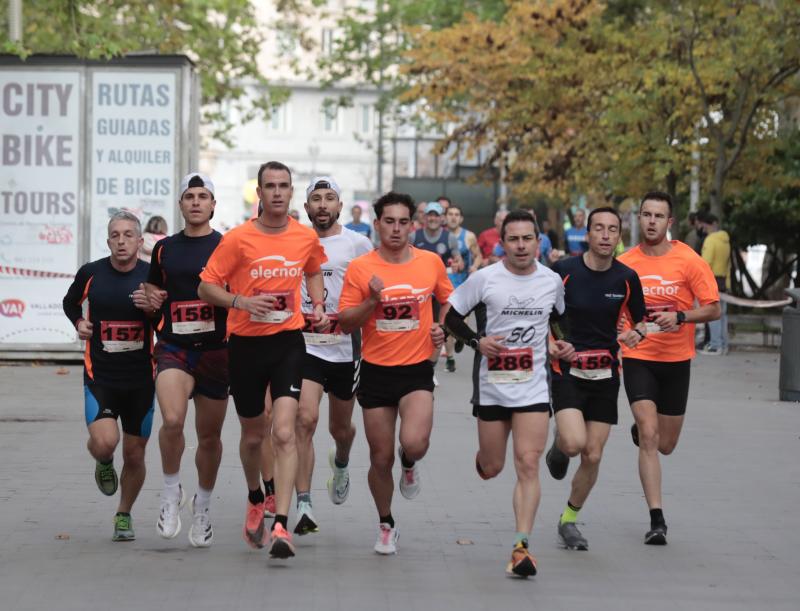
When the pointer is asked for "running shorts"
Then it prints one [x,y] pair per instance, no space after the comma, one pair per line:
[495,413]
[596,399]
[256,362]
[133,406]
[209,368]
[381,386]
[340,379]
[666,384]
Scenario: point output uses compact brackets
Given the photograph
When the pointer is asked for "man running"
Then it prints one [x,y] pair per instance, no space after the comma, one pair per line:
[387,293]
[357,225]
[192,359]
[598,290]
[656,372]
[510,393]
[575,236]
[332,358]
[118,371]
[262,263]
[472,260]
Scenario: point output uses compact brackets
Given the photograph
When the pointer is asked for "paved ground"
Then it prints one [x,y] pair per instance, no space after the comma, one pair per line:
[732,489]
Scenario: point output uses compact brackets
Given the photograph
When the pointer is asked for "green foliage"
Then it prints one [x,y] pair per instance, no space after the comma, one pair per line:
[221,37]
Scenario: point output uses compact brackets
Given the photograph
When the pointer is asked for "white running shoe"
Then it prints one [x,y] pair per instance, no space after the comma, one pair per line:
[200,532]
[409,478]
[387,539]
[306,523]
[339,483]
[169,519]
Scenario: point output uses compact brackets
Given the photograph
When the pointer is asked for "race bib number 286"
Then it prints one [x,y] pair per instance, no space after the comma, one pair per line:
[511,366]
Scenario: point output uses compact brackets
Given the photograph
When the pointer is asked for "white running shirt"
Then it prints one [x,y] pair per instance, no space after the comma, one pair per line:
[340,250]
[517,308]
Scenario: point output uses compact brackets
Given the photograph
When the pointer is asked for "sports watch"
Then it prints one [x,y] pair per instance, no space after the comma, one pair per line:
[680,317]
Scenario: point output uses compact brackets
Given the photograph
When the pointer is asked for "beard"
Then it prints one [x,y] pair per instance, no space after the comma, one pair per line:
[332,219]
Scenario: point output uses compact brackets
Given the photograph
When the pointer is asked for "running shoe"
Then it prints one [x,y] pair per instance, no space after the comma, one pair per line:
[557,461]
[305,522]
[339,483]
[200,532]
[656,535]
[459,346]
[571,537]
[281,546]
[713,350]
[635,434]
[387,539]
[169,518]
[254,533]
[450,364]
[269,506]
[106,478]
[409,478]
[123,528]
[522,563]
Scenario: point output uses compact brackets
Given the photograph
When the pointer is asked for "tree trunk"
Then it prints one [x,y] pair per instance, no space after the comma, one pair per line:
[715,192]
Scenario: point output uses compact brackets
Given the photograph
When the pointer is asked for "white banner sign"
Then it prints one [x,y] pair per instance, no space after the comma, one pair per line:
[40,114]
[133,127]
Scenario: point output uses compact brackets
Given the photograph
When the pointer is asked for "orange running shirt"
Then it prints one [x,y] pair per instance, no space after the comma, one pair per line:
[249,262]
[670,282]
[398,332]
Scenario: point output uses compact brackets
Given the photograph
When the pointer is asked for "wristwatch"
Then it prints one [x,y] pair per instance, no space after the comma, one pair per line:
[681,317]
[474,343]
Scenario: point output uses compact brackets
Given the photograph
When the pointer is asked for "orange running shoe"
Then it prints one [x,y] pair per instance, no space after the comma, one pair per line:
[269,506]
[522,563]
[254,533]
[281,543]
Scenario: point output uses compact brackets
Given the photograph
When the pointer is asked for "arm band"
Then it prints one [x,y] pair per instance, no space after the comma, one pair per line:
[455,325]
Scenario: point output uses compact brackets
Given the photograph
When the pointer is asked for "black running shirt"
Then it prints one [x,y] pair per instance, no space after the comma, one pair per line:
[119,353]
[595,301]
[185,320]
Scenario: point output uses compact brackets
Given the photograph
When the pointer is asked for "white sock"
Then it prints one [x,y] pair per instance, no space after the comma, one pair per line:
[202,499]
[172,486]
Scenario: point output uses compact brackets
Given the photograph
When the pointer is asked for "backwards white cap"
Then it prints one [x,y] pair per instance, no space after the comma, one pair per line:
[322,182]
[187,179]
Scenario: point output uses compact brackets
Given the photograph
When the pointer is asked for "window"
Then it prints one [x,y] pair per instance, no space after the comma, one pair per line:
[365,118]
[330,119]
[279,120]
[327,41]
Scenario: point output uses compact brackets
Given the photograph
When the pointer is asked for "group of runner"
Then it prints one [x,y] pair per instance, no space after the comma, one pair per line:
[278,314]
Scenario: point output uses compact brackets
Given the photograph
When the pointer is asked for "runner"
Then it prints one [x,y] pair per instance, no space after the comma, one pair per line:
[118,372]
[656,373]
[575,236]
[598,290]
[510,393]
[386,292]
[332,358]
[262,263]
[192,359]
[472,260]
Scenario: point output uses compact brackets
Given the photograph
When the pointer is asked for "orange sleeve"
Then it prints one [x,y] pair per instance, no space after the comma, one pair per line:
[316,258]
[222,261]
[702,282]
[352,291]
[443,286]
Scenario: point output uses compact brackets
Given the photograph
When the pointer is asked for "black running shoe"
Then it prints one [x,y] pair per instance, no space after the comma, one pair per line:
[557,461]
[459,346]
[635,434]
[656,535]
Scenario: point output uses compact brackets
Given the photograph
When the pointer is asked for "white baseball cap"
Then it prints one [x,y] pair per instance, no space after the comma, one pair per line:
[207,184]
[322,182]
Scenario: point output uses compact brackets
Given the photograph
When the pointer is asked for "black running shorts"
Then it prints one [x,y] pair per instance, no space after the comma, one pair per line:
[381,386]
[494,413]
[133,406]
[597,399]
[256,362]
[339,379]
[666,384]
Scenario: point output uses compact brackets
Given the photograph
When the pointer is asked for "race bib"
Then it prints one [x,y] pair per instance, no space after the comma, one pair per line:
[592,365]
[333,335]
[653,327]
[511,366]
[191,317]
[283,308]
[397,315]
[122,335]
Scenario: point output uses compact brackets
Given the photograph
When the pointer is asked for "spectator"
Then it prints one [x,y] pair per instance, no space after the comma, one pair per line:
[576,243]
[717,253]
[691,238]
[155,230]
[357,224]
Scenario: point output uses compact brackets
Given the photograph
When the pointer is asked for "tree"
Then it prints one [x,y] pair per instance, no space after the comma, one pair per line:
[222,37]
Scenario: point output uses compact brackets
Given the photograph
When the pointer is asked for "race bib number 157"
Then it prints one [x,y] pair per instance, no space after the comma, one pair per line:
[122,335]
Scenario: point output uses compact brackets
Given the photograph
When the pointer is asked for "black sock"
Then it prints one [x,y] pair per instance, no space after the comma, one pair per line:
[407,464]
[573,508]
[269,487]
[387,519]
[106,462]
[124,513]
[279,519]
[656,518]
[255,496]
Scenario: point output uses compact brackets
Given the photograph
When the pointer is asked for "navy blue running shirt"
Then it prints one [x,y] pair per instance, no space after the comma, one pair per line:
[185,320]
[119,353]
[595,301]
